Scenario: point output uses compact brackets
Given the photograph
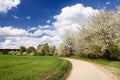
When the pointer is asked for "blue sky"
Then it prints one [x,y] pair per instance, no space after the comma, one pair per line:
[32,22]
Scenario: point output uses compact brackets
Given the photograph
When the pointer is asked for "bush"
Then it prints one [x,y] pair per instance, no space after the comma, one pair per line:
[31,49]
[32,54]
[46,49]
[24,54]
[22,49]
[18,54]
[0,53]
[52,50]
[113,52]
[43,49]
[55,52]
[13,52]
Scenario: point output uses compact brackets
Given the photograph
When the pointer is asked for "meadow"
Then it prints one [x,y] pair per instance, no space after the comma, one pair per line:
[33,68]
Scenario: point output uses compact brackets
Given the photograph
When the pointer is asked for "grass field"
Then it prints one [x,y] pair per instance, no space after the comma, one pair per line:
[33,68]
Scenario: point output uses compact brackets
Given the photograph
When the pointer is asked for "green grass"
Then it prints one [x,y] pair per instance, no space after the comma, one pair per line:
[115,64]
[33,68]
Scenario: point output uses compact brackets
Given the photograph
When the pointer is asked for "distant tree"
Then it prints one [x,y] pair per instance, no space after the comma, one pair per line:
[46,49]
[30,49]
[52,50]
[0,53]
[43,49]
[67,46]
[55,52]
[22,49]
[40,50]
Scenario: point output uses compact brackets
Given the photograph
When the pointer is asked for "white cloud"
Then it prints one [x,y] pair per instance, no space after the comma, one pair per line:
[28,17]
[48,21]
[16,42]
[43,27]
[6,5]
[107,3]
[32,28]
[14,16]
[71,17]
[15,37]
[9,31]
[40,32]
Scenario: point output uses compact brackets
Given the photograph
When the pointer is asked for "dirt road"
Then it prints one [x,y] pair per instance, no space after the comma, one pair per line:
[82,70]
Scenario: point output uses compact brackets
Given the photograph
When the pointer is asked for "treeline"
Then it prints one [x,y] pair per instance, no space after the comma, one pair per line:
[42,49]
[5,51]
[99,38]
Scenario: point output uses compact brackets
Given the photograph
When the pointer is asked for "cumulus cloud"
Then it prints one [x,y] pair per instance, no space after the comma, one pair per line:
[45,32]
[44,27]
[9,31]
[69,19]
[72,16]
[6,5]
[15,37]
[32,28]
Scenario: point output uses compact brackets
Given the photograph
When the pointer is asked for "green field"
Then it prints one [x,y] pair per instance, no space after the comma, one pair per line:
[33,68]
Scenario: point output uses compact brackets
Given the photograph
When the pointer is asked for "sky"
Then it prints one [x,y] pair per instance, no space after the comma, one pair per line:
[32,22]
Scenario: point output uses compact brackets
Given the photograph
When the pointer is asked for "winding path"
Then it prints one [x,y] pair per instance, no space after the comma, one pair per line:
[82,70]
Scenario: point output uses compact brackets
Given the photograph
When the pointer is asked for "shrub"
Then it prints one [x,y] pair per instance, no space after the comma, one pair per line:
[31,49]
[113,51]
[55,52]
[0,53]
[22,49]
[24,54]
[32,54]
[41,51]
[52,50]
[13,52]
[46,49]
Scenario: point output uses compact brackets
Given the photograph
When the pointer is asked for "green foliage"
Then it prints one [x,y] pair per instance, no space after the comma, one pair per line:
[46,49]
[31,49]
[62,71]
[6,51]
[22,49]
[40,50]
[0,53]
[113,51]
[43,49]
[52,50]
[32,68]
[55,52]
[13,52]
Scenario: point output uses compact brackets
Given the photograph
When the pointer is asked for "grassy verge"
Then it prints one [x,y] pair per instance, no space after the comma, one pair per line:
[115,64]
[112,66]
[61,72]
[33,68]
